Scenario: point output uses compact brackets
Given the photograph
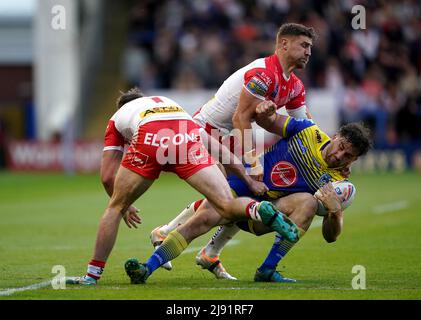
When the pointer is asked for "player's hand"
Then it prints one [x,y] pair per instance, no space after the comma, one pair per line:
[266,108]
[131,217]
[256,172]
[257,187]
[327,195]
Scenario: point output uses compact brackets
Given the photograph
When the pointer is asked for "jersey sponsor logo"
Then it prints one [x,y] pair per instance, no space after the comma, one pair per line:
[318,136]
[265,77]
[156,140]
[257,86]
[283,174]
[167,109]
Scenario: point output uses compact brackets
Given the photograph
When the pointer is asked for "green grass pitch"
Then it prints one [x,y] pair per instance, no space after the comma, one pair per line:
[48,220]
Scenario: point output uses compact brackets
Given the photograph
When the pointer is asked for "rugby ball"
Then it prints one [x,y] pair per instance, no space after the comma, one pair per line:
[346,192]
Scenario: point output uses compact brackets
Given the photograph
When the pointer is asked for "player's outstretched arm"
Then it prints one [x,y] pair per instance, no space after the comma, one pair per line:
[110,163]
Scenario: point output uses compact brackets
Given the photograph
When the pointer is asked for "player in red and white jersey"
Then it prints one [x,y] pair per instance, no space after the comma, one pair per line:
[124,124]
[270,78]
[163,137]
[263,79]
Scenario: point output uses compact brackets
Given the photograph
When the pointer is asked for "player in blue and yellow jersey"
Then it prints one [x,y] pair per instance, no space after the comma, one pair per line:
[294,169]
[296,163]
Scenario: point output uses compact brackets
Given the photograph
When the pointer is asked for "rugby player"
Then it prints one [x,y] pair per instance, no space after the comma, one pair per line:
[270,78]
[234,104]
[295,168]
[163,137]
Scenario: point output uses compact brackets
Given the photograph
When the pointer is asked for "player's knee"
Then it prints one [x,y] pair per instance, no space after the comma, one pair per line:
[118,207]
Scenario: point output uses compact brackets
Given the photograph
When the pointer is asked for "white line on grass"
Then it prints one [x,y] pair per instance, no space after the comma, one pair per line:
[36,286]
[391,207]
[9,292]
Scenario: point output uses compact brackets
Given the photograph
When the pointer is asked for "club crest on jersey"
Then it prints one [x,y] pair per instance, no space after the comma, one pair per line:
[325,178]
[283,174]
[137,159]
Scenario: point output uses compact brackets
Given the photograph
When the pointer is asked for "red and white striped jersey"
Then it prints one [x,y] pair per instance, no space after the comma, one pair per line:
[124,124]
[263,78]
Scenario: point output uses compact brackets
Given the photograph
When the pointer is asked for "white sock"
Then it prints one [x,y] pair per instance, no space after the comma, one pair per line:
[220,239]
[188,212]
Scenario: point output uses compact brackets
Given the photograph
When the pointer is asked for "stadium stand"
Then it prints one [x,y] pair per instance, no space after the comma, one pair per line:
[375,72]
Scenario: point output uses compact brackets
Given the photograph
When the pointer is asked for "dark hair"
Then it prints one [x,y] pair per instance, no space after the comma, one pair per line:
[125,97]
[358,135]
[295,29]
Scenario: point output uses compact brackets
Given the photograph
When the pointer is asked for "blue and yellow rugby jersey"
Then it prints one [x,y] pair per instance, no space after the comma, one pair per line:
[294,163]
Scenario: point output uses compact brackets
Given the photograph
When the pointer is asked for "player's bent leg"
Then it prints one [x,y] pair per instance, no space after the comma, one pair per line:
[205,218]
[174,244]
[208,258]
[178,240]
[212,184]
[128,186]
[301,208]
[157,237]
[159,234]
